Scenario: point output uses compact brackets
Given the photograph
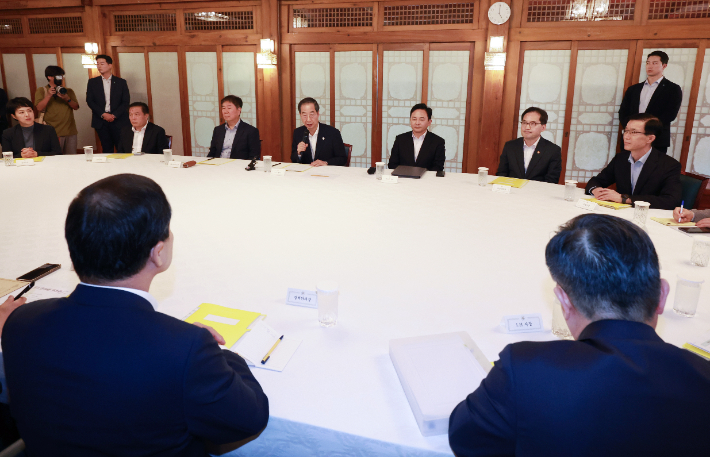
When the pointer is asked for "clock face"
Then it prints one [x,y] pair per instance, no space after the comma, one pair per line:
[499,13]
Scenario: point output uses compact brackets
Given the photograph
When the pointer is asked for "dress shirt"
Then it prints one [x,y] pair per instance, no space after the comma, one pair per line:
[313,139]
[417,144]
[138,138]
[107,92]
[647,93]
[229,140]
[636,168]
[141,293]
[528,152]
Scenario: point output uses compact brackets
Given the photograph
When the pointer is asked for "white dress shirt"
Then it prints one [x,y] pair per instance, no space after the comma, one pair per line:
[646,94]
[141,293]
[138,138]
[528,152]
[417,144]
[313,139]
[107,92]
[229,136]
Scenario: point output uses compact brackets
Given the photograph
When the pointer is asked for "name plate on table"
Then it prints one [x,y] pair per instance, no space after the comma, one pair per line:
[24,163]
[501,189]
[278,172]
[175,164]
[389,179]
[301,297]
[523,323]
[586,204]
[98,160]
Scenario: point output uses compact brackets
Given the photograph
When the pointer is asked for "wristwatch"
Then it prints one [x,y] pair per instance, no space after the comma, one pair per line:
[625,197]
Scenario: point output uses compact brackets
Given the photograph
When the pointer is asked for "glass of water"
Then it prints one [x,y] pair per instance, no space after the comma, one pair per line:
[267,164]
[687,295]
[379,169]
[570,190]
[641,213]
[700,254]
[327,303]
[89,153]
[482,176]
[7,158]
[167,155]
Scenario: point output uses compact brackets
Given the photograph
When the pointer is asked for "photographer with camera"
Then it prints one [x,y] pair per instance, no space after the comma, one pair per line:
[56,104]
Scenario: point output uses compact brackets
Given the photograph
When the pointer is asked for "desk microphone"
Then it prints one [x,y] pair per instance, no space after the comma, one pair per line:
[252,165]
[371,171]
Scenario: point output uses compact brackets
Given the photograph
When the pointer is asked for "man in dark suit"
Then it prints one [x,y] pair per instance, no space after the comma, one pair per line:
[531,156]
[656,96]
[619,389]
[141,135]
[235,139]
[645,174]
[28,139]
[102,372]
[108,97]
[315,143]
[420,147]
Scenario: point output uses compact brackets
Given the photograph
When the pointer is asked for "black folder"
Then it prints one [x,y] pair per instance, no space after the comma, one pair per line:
[404,171]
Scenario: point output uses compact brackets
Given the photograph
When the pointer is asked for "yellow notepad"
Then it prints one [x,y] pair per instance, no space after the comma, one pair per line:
[229,322]
[513,182]
[36,159]
[215,161]
[672,222]
[697,351]
[612,205]
[118,156]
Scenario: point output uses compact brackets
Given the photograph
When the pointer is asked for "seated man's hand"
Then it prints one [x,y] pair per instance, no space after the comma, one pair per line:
[301,147]
[608,195]
[215,334]
[597,191]
[28,153]
[319,163]
[8,307]
[687,215]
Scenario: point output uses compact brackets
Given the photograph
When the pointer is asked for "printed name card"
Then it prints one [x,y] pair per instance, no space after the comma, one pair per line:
[278,172]
[24,162]
[301,297]
[586,204]
[389,179]
[98,160]
[523,323]
[175,164]
[501,189]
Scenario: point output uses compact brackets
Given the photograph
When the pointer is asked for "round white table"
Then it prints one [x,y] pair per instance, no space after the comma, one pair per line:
[419,257]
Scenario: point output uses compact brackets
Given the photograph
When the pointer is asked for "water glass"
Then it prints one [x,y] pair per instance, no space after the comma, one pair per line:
[327,303]
[89,153]
[167,155]
[570,190]
[482,176]
[7,158]
[379,169]
[267,164]
[700,254]
[687,295]
[641,213]
[559,324]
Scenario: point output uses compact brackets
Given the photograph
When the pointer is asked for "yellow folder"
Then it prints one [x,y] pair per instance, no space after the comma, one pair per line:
[612,205]
[36,159]
[513,182]
[118,156]
[229,322]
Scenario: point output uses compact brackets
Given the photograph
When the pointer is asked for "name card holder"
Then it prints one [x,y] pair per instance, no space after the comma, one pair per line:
[501,189]
[24,163]
[586,204]
[278,172]
[522,323]
[301,297]
[175,164]
[98,160]
[389,179]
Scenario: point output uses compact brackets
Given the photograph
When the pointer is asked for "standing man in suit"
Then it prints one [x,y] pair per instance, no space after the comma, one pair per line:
[645,174]
[420,147]
[235,139]
[108,97]
[28,139]
[141,135]
[531,157]
[102,372]
[315,143]
[657,96]
[619,389]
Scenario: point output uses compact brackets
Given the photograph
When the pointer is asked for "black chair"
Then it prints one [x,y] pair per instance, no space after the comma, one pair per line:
[170,141]
[691,187]
[348,152]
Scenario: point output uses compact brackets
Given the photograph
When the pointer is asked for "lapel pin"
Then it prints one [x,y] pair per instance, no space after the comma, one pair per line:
[538,152]
[322,138]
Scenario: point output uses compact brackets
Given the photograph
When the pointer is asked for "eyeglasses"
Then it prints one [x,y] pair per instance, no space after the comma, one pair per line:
[531,124]
[632,132]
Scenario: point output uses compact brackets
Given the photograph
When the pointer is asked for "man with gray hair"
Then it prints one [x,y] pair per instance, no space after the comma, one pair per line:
[618,390]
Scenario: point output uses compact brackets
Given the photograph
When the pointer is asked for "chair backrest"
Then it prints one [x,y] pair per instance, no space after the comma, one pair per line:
[348,152]
[691,185]
[170,141]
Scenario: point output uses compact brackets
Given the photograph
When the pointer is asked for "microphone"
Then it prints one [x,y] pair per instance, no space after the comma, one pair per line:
[371,171]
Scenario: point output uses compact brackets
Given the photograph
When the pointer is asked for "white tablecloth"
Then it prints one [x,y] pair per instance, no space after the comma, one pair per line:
[419,257]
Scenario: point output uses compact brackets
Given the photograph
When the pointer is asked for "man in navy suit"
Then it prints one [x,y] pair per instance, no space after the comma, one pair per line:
[102,372]
[108,97]
[142,135]
[420,147]
[315,143]
[619,389]
[531,156]
[657,96]
[235,139]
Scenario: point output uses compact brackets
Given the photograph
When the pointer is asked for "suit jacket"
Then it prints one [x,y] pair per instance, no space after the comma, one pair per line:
[329,146]
[545,164]
[658,183]
[45,138]
[431,156]
[106,374]
[96,99]
[154,140]
[618,391]
[246,145]
[664,104]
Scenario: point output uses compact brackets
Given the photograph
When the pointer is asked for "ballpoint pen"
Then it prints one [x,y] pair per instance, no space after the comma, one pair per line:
[32,284]
[681,211]
[268,354]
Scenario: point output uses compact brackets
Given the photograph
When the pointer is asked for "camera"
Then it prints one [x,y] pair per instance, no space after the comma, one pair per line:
[61,90]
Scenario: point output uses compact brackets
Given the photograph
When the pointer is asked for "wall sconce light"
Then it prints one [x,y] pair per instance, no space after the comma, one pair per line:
[88,60]
[266,58]
[494,61]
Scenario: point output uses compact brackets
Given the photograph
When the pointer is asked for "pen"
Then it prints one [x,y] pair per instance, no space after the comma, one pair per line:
[276,164]
[32,284]
[681,210]
[268,354]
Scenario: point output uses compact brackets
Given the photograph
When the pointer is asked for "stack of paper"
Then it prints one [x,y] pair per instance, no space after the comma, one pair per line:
[612,205]
[512,182]
[701,346]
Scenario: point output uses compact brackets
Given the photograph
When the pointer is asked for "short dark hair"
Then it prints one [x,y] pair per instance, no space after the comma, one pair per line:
[108,59]
[17,103]
[535,109]
[113,224]
[306,101]
[607,266]
[233,99]
[652,125]
[143,106]
[421,106]
[661,54]
[53,70]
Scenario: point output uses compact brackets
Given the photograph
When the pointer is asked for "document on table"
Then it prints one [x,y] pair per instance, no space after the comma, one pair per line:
[231,323]
[298,167]
[8,286]
[258,342]
[700,346]
[36,159]
[41,293]
[672,222]
[612,205]
[512,182]
[119,156]
[215,161]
